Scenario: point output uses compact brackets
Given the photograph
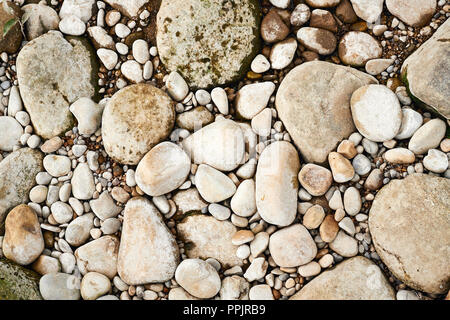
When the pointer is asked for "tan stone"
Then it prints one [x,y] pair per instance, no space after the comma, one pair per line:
[329,229]
[313,217]
[341,167]
[409,223]
[23,242]
[315,179]
[347,149]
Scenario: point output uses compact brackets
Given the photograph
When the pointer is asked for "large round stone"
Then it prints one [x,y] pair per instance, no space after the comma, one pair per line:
[409,222]
[135,119]
[313,102]
[209,42]
[53,73]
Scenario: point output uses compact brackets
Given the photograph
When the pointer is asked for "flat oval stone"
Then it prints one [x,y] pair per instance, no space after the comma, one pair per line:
[56,165]
[415,13]
[318,40]
[400,156]
[213,185]
[188,34]
[49,85]
[277,184]
[145,238]
[313,102]
[428,136]
[163,169]
[135,119]
[409,222]
[23,242]
[292,246]
[315,179]
[220,144]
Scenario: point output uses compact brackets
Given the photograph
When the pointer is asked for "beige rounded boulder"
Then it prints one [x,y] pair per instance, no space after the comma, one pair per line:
[163,169]
[409,223]
[135,119]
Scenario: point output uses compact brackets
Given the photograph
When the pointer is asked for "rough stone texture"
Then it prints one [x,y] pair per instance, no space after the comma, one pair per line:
[53,73]
[18,283]
[189,201]
[277,183]
[415,13]
[409,222]
[134,120]
[357,278]
[313,101]
[195,231]
[148,251]
[10,42]
[426,72]
[17,176]
[209,42]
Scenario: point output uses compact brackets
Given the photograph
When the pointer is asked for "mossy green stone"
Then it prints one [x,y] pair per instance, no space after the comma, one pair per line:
[209,42]
[18,283]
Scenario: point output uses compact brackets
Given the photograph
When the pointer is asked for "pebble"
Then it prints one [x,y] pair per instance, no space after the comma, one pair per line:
[213,185]
[243,202]
[261,292]
[242,237]
[57,166]
[141,51]
[341,167]
[257,269]
[176,86]
[198,278]
[94,285]
[14,102]
[317,40]
[377,66]
[219,212]
[282,53]
[108,57]
[88,114]
[352,201]
[38,194]
[163,169]
[67,261]
[276,191]
[61,212]
[59,286]
[310,269]
[292,246]
[259,243]
[45,264]
[344,245]
[262,123]
[328,229]
[23,241]
[300,15]
[158,258]
[122,31]
[400,156]
[52,145]
[347,225]
[11,133]
[77,232]
[220,145]
[315,179]
[253,98]
[82,182]
[104,206]
[427,137]
[72,25]
[411,121]
[313,217]
[436,161]
[100,37]
[376,112]
[361,164]
[260,64]
[415,13]
[356,48]
[220,99]
[203,97]
[273,28]
[132,70]
[369,11]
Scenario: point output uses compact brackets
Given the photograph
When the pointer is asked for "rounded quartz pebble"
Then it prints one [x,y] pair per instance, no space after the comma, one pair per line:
[376,112]
[436,161]
[198,277]
[94,285]
[57,166]
[163,169]
[356,48]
